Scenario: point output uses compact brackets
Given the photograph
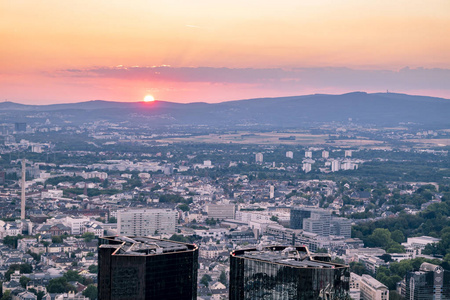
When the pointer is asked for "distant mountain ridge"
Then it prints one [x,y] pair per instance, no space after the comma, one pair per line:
[383,109]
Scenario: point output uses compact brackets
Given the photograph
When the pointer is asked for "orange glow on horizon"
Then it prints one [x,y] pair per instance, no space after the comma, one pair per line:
[42,40]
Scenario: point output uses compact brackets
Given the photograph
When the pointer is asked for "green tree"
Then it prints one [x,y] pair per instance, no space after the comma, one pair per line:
[112,220]
[379,238]
[23,281]
[184,207]
[398,236]
[91,292]
[223,278]
[72,276]
[88,236]
[93,269]
[358,268]
[6,295]
[205,280]
[12,240]
[59,285]
[274,218]
[22,268]
[57,239]
[40,295]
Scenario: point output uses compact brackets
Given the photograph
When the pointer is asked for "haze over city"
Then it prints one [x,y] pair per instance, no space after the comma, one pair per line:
[189,51]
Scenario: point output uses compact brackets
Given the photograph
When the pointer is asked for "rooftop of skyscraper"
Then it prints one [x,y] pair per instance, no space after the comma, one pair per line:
[298,257]
[143,245]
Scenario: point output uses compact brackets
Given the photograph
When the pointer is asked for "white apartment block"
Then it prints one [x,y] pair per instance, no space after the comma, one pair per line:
[325,154]
[308,154]
[95,174]
[355,292]
[76,224]
[290,154]
[221,211]
[306,167]
[144,222]
[51,194]
[348,153]
[372,289]
[335,166]
[259,158]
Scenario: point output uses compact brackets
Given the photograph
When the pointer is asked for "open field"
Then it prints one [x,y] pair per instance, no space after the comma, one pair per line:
[272,138]
[430,142]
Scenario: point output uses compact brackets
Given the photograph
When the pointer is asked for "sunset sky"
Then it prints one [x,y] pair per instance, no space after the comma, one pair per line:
[56,51]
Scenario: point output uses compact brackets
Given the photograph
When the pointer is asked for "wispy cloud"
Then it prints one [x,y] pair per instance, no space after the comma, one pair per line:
[404,79]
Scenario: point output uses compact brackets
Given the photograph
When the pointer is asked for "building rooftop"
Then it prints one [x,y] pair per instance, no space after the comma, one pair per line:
[143,245]
[373,282]
[298,257]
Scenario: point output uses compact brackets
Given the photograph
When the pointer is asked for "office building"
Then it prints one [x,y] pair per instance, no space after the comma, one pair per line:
[141,268]
[372,289]
[259,158]
[221,211]
[301,213]
[142,222]
[298,214]
[20,127]
[355,292]
[290,154]
[318,222]
[341,227]
[281,272]
[430,282]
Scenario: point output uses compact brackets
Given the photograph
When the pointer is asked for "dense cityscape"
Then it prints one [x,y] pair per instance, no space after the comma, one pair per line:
[374,202]
[225,150]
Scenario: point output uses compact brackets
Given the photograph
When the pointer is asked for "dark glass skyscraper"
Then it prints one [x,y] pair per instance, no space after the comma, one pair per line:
[286,273]
[146,268]
[430,282]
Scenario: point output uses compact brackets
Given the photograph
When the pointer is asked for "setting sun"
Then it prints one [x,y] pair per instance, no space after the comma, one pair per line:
[149,98]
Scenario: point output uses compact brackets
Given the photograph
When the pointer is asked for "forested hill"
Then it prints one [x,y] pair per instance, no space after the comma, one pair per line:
[378,109]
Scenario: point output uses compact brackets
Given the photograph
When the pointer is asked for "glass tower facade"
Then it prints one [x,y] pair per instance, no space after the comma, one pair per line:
[285,273]
[146,268]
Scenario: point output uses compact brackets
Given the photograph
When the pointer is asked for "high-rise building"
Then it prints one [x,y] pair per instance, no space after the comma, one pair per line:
[318,222]
[341,227]
[20,127]
[290,154]
[141,268]
[142,222]
[271,192]
[298,214]
[348,153]
[430,282]
[325,154]
[259,158]
[306,167]
[308,154]
[282,272]
[335,166]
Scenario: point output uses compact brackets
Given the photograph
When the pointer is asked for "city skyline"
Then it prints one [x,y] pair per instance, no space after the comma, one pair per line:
[200,51]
